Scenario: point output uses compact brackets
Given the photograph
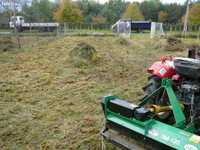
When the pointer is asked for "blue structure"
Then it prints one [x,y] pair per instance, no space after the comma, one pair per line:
[137,26]
[140,25]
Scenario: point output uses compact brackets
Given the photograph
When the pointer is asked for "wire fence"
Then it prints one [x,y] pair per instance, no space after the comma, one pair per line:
[62,29]
[94,29]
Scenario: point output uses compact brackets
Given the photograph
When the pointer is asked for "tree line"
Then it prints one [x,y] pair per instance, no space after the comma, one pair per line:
[90,11]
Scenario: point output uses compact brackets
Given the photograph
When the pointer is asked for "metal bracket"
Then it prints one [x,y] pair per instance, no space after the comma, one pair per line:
[177,111]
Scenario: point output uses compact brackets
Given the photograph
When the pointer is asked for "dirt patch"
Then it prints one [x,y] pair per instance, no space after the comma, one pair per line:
[174,44]
[6,44]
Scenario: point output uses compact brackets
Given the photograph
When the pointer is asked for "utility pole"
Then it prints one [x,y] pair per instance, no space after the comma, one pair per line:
[185,28]
[13,14]
[10,3]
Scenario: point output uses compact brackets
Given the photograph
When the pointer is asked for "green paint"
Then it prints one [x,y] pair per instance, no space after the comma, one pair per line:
[179,136]
[178,113]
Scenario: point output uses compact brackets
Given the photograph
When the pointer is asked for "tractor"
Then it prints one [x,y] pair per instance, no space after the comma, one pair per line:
[166,117]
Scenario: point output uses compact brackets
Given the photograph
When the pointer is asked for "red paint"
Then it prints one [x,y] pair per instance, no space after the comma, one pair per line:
[162,69]
[176,77]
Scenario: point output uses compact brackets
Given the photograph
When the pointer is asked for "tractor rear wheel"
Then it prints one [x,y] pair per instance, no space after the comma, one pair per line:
[153,84]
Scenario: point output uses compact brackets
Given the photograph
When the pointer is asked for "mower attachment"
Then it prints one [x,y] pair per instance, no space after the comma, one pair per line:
[126,121]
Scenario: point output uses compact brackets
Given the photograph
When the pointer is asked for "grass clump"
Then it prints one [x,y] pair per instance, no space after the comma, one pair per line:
[174,44]
[123,41]
[6,44]
[83,54]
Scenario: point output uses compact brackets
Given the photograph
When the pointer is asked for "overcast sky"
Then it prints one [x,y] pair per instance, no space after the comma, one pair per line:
[164,1]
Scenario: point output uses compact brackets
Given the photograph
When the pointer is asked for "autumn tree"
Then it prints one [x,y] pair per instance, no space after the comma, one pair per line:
[163,16]
[133,12]
[194,17]
[98,20]
[68,12]
[91,10]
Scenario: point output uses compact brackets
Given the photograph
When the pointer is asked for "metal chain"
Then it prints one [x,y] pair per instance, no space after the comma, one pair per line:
[192,108]
[103,145]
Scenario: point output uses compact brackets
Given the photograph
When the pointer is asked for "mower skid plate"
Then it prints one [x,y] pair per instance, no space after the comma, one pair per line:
[119,140]
[158,132]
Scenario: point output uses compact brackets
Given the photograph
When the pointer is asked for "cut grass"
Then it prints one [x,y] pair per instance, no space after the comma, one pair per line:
[48,103]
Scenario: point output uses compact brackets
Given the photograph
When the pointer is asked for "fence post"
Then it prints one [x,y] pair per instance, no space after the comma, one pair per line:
[64,28]
[57,32]
[30,27]
[170,28]
[91,27]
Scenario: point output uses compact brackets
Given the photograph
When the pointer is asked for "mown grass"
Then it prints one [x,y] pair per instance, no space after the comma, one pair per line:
[48,102]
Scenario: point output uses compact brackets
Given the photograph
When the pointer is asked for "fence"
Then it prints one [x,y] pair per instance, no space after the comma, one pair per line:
[83,28]
[177,30]
[62,29]
[179,27]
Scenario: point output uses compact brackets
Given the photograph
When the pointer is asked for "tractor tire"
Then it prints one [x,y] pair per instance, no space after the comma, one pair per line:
[153,84]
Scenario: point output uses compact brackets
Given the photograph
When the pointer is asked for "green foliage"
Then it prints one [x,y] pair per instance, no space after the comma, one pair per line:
[68,12]
[90,10]
[39,11]
[150,9]
[154,10]
[194,17]
[175,12]
[4,18]
[113,10]
[133,12]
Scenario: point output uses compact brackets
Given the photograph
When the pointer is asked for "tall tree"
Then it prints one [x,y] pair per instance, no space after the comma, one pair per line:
[133,12]
[150,9]
[68,12]
[90,9]
[163,16]
[4,18]
[194,17]
[113,10]
[38,11]
[175,12]
[98,20]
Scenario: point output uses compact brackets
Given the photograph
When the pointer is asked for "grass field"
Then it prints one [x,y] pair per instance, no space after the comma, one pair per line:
[47,101]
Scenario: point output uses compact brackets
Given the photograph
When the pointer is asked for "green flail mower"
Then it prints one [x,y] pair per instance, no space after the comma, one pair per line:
[167,117]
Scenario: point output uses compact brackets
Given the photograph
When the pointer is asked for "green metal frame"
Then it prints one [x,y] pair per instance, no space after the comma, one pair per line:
[177,111]
[179,136]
